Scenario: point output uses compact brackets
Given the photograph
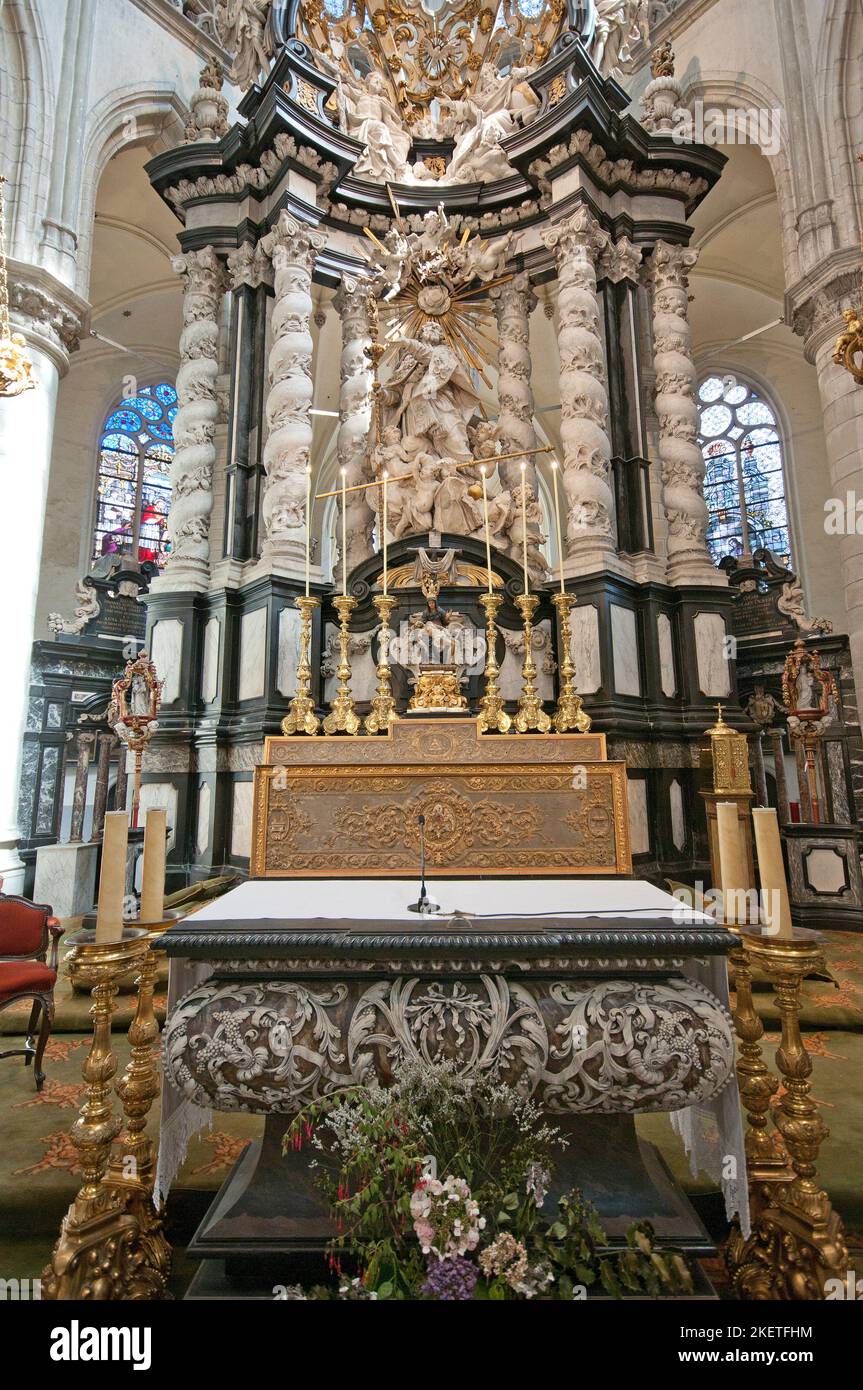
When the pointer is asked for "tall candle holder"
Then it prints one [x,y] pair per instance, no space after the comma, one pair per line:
[343,717]
[95,1256]
[383,710]
[568,714]
[492,714]
[530,713]
[302,718]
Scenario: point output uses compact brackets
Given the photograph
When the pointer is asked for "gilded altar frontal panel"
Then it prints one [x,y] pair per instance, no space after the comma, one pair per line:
[416,740]
[480,819]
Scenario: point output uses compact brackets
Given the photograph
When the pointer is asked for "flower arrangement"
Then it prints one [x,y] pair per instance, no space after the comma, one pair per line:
[438,1188]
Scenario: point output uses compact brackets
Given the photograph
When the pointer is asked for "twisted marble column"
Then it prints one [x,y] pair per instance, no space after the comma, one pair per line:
[188,565]
[577,242]
[291,246]
[683,466]
[355,414]
[513,303]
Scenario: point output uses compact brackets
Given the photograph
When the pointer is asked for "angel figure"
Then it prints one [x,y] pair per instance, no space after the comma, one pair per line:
[393,265]
[620,24]
[242,26]
[418,513]
[367,113]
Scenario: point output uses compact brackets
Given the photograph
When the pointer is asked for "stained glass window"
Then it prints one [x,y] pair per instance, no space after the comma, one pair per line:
[134,487]
[744,486]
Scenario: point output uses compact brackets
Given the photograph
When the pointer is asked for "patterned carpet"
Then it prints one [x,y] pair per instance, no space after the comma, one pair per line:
[39,1174]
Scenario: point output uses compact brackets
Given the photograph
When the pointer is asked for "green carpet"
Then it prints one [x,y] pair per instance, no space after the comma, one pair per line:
[39,1175]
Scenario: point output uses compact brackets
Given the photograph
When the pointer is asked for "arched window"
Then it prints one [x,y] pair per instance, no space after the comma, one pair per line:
[744,487]
[134,490]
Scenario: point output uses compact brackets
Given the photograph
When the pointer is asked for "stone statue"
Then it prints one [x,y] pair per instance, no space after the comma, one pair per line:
[417,514]
[243,29]
[430,394]
[455,510]
[620,24]
[792,604]
[86,609]
[366,113]
[393,266]
[496,107]
[535,537]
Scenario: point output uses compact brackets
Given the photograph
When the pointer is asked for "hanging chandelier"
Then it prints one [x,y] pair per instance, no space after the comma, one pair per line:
[15,365]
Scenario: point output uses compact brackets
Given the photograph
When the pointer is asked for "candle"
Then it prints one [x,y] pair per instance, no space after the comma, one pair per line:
[557,524]
[524,525]
[487,532]
[732,862]
[771,871]
[344,532]
[112,878]
[384,530]
[153,872]
[308,523]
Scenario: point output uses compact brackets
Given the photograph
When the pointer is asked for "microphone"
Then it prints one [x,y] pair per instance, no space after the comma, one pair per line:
[424,904]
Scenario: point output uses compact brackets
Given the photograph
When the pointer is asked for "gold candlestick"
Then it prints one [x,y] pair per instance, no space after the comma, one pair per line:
[530,714]
[797,1244]
[383,710]
[302,718]
[91,1258]
[343,717]
[492,714]
[568,714]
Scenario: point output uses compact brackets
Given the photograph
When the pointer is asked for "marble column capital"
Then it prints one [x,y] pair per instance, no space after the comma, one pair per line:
[579,234]
[249,265]
[292,242]
[814,306]
[202,272]
[669,266]
[621,260]
[351,297]
[46,311]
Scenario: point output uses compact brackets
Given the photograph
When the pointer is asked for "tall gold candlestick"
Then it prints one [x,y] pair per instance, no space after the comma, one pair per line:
[302,718]
[153,870]
[487,534]
[112,877]
[492,714]
[771,872]
[524,526]
[308,525]
[384,530]
[557,527]
[383,710]
[343,717]
[344,533]
[568,714]
[530,714]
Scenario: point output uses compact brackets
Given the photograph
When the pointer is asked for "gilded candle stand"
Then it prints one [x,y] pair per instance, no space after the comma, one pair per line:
[111,1245]
[302,718]
[568,715]
[343,717]
[530,714]
[797,1243]
[492,711]
[383,710]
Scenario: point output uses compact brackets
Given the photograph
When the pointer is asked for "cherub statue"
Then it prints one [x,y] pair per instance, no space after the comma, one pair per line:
[485,259]
[393,265]
[418,513]
[243,29]
[849,344]
[455,510]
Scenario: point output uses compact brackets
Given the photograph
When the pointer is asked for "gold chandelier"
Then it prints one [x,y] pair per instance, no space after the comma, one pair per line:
[15,365]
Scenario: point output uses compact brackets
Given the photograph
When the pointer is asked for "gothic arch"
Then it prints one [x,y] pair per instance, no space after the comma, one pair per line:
[25,106]
[837,79]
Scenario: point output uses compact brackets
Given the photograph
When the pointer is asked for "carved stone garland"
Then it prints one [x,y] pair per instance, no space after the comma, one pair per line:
[291,246]
[577,242]
[355,413]
[188,566]
[683,468]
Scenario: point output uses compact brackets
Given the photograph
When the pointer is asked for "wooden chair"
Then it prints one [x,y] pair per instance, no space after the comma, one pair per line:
[26,932]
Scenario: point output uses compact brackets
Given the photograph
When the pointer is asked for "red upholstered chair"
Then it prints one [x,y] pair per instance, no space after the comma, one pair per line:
[26,931]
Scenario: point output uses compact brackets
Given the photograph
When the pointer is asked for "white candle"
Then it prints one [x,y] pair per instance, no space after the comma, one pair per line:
[524,524]
[771,871]
[487,532]
[557,524]
[153,871]
[732,862]
[384,529]
[308,524]
[112,877]
[344,532]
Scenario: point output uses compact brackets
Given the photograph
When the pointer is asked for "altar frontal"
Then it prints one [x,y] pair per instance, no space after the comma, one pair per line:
[556,805]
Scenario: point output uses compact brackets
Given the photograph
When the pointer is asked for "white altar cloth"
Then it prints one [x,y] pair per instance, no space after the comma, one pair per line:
[711,1133]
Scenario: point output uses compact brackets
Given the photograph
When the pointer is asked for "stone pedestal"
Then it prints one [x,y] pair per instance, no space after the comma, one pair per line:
[66,878]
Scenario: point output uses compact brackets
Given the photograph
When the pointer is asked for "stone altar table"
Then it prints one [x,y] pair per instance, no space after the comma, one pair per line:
[582,991]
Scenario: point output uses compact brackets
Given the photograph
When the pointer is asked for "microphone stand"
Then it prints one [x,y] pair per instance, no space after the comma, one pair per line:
[424,904]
